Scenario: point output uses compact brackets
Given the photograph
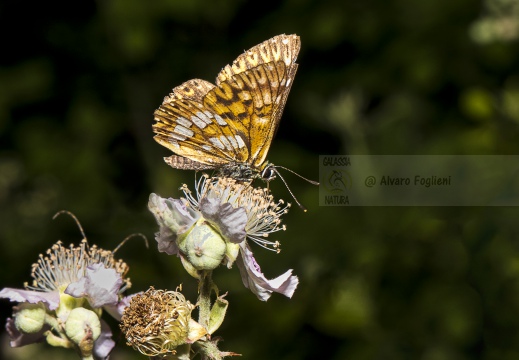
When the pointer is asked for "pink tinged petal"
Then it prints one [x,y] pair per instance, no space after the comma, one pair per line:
[20,339]
[50,299]
[184,216]
[254,279]
[116,311]
[167,241]
[172,213]
[99,285]
[104,344]
[77,289]
[230,221]
[174,218]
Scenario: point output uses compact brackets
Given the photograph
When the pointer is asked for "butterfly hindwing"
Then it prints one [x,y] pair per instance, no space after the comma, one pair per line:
[190,129]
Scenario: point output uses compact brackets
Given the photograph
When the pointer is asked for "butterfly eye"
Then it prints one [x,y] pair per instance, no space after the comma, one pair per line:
[268,174]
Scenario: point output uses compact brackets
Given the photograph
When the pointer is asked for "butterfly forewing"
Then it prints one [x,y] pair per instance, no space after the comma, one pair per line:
[280,54]
[234,122]
[280,48]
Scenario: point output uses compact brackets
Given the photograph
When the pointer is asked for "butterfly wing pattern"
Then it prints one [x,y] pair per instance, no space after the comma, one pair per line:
[230,126]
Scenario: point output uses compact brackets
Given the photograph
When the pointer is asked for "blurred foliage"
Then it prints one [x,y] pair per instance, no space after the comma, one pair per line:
[500,22]
[79,82]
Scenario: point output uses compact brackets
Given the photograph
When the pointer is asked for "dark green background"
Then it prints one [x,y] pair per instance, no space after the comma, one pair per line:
[79,82]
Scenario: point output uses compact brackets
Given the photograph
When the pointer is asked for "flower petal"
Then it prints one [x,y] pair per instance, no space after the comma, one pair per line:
[20,339]
[230,221]
[174,218]
[100,285]
[172,213]
[167,241]
[104,344]
[50,299]
[116,311]
[254,279]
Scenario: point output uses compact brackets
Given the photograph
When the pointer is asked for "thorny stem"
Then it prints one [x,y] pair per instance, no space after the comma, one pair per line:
[204,300]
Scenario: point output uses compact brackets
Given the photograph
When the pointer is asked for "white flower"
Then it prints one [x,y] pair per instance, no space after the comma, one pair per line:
[64,281]
[226,212]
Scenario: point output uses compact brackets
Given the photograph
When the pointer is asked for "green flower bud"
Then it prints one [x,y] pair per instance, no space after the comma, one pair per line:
[83,328]
[30,318]
[203,247]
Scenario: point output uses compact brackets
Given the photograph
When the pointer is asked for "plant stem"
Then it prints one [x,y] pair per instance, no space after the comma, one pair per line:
[205,287]
[204,298]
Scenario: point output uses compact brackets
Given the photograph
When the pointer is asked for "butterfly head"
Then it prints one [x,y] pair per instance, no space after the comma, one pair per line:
[268,173]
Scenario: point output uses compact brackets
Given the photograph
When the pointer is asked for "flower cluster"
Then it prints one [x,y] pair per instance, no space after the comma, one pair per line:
[212,227]
[63,305]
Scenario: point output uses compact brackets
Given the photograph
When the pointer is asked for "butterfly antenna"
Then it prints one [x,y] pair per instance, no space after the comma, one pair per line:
[73,217]
[128,238]
[293,172]
[290,191]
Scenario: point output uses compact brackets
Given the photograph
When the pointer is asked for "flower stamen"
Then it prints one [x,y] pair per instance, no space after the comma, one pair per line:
[62,266]
[263,213]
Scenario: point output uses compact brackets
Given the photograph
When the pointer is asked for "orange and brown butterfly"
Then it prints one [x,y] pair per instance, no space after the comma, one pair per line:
[230,126]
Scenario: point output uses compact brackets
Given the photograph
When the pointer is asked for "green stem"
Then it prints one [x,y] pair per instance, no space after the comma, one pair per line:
[54,340]
[53,323]
[204,301]
[208,349]
[204,298]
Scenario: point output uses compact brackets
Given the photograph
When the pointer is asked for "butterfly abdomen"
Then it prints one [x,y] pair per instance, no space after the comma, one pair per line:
[180,162]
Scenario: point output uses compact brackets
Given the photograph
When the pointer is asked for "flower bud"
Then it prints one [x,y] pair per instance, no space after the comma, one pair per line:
[203,247]
[30,318]
[83,328]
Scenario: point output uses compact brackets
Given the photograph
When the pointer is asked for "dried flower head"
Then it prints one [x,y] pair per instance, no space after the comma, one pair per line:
[157,322]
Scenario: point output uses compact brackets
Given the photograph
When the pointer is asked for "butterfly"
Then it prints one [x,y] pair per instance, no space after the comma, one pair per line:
[230,126]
